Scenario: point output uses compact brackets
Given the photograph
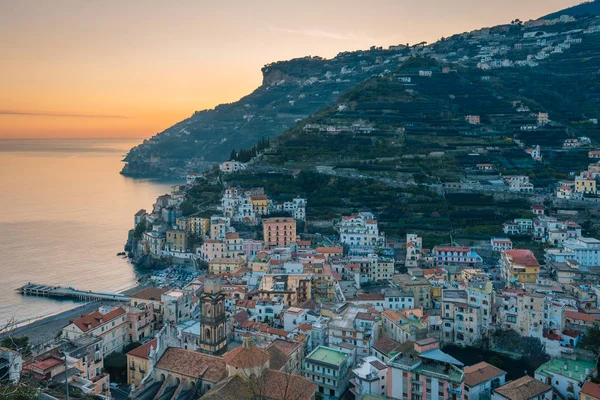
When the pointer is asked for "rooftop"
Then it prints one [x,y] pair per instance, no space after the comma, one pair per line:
[523,388]
[144,350]
[481,372]
[575,369]
[328,356]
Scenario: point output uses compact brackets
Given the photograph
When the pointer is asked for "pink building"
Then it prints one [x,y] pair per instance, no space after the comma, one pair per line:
[251,247]
[425,372]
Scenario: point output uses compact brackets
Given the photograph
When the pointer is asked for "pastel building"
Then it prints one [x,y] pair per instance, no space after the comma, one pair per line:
[279,232]
[421,375]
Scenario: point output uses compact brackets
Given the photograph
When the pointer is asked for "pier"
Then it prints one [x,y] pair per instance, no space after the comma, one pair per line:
[40,289]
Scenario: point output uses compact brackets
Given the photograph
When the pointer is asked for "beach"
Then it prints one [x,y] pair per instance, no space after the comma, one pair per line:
[47,328]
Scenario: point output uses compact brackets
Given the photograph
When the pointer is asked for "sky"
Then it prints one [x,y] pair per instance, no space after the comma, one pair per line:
[111,68]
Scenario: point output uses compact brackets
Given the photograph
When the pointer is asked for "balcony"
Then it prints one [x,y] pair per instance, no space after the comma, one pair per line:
[455,390]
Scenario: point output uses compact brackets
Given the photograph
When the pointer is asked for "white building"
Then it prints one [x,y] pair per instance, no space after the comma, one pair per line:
[229,167]
[586,250]
[369,378]
[361,231]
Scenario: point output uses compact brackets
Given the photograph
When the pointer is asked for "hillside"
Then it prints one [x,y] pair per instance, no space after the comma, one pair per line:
[587,8]
[545,66]
[290,91]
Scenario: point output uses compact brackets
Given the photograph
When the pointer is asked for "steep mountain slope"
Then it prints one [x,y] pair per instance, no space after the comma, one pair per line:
[291,90]
[587,8]
[389,110]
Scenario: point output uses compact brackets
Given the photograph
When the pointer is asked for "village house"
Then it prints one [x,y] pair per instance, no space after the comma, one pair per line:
[109,324]
[481,379]
[519,266]
[524,388]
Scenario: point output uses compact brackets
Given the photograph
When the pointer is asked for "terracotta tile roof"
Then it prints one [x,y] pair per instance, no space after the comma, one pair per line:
[193,364]
[330,250]
[278,358]
[378,364]
[88,322]
[369,296]
[246,357]
[232,235]
[451,248]
[391,315]
[386,345]
[143,350]
[304,327]
[523,388]
[591,389]
[150,294]
[286,346]
[365,316]
[244,303]
[522,257]
[582,316]
[481,372]
[241,316]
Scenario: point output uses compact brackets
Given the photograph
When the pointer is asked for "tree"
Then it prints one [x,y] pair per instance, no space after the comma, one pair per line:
[187,208]
[591,340]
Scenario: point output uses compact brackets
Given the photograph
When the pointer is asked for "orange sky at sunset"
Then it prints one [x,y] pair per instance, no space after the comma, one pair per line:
[73,68]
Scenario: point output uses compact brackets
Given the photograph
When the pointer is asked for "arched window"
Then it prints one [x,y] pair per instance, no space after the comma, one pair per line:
[207,334]
[220,333]
[207,310]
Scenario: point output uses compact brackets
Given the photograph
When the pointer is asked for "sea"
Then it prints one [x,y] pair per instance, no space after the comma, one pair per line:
[65,212]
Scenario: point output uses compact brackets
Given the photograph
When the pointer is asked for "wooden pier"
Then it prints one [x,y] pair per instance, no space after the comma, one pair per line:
[40,289]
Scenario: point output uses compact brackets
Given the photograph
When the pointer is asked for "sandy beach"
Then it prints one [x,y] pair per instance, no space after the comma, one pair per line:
[46,329]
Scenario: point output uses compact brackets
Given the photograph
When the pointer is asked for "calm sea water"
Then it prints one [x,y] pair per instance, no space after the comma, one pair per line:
[64,215]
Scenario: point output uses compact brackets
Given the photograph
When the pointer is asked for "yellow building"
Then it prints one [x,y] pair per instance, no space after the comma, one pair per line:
[138,362]
[294,289]
[198,226]
[259,265]
[177,240]
[520,266]
[585,186]
[260,204]
[590,391]
[223,265]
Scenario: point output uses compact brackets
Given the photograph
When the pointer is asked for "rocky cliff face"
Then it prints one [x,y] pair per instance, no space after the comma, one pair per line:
[291,91]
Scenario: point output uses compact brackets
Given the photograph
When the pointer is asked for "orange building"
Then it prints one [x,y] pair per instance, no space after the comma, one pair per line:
[279,232]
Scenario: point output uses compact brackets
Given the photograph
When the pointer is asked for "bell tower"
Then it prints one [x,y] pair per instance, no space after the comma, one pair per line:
[213,335]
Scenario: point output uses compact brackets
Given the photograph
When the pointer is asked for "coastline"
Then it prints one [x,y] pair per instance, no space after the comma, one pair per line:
[45,328]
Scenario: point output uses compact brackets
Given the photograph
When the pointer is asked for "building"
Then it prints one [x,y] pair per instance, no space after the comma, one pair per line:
[329,369]
[198,225]
[361,231]
[466,314]
[213,332]
[279,232]
[414,247]
[292,288]
[473,119]
[585,185]
[524,388]
[178,305]
[418,287]
[224,265]
[501,244]
[139,362]
[150,297]
[416,374]
[11,364]
[357,327]
[566,376]
[109,324]
[481,379]
[370,378]
[590,391]
[462,257]
[229,167]
[176,241]
[183,370]
[586,251]
[520,266]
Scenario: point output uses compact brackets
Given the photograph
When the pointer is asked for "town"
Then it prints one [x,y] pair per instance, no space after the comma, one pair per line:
[276,313]
[255,289]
